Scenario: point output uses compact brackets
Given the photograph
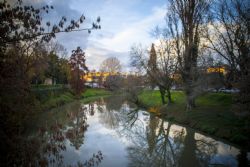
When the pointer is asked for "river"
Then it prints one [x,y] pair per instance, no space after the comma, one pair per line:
[110,132]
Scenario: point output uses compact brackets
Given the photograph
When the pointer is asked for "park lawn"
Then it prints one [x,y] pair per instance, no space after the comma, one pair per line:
[213,115]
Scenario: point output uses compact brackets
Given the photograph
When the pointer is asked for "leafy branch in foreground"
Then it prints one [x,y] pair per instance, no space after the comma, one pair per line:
[19,22]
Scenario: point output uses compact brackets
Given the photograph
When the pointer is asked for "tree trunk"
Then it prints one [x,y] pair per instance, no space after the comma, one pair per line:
[162,92]
[188,155]
[53,81]
[169,96]
[190,97]
[189,78]
[190,102]
[151,133]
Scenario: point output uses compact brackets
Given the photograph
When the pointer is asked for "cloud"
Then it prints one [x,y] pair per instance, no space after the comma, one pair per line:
[136,32]
[123,24]
[119,43]
[96,55]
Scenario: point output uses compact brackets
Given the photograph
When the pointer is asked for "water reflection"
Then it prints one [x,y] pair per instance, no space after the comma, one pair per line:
[161,145]
[56,136]
[77,126]
[126,136]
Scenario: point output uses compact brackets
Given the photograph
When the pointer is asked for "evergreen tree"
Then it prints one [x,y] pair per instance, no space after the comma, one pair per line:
[78,70]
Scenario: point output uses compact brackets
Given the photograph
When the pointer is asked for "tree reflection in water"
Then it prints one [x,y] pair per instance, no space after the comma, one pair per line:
[111,107]
[51,140]
[77,127]
[153,146]
[149,141]
[154,142]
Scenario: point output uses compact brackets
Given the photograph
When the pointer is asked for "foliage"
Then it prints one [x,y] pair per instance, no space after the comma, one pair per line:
[152,66]
[23,22]
[58,69]
[78,69]
[43,93]
[49,62]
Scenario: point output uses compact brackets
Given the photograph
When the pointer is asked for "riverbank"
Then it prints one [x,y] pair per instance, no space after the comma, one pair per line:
[94,93]
[213,115]
[53,99]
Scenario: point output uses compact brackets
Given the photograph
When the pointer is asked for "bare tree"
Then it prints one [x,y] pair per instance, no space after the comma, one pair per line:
[165,69]
[160,66]
[229,37]
[185,19]
[56,48]
[133,86]
[111,64]
[114,82]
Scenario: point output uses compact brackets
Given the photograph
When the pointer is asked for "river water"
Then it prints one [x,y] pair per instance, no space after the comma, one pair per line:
[111,132]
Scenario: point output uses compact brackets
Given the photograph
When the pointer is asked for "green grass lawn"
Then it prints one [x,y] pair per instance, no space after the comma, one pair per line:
[53,100]
[56,101]
[93,94]
[213,115]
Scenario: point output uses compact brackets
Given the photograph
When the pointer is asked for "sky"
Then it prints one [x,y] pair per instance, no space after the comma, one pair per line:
[123,22]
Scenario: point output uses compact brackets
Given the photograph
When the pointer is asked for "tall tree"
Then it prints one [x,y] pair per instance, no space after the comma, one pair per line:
[160,66]
[165,68]
[185,19]
[152,65]
[38,65]
[152,59]
[78,70]
[229,37]
[64,71]
[53,67]
[113,66]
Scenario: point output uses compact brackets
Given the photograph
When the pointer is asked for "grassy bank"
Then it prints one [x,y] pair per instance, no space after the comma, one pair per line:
[52,97]
[213,114]
[56,101]
[93,94]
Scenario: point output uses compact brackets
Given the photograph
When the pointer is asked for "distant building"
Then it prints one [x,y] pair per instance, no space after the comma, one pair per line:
[92,76]
[217,69]
[98,78]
